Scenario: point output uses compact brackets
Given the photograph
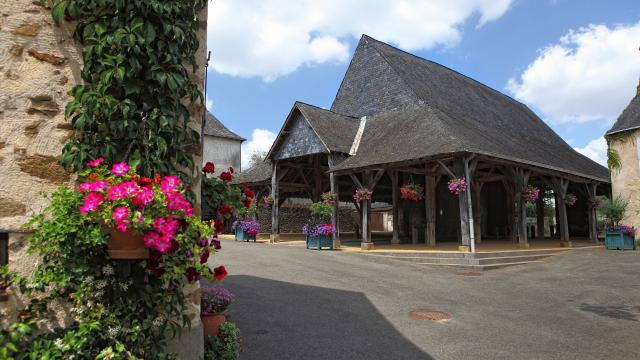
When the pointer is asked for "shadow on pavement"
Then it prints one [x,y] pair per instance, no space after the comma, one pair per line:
[621,312]
[281,320]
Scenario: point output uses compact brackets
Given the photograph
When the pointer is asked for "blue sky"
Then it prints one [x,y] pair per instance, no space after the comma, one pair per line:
[575,63]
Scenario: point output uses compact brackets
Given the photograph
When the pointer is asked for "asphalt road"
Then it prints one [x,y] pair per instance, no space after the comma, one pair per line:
[294,303]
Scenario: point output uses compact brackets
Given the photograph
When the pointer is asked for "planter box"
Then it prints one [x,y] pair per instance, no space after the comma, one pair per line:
[243,236]
[319,242]
[618,240]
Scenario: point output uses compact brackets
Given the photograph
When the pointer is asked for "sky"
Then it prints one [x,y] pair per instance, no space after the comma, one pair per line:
[576,63]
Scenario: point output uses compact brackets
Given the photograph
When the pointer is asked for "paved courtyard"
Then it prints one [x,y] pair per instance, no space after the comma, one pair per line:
[294,303]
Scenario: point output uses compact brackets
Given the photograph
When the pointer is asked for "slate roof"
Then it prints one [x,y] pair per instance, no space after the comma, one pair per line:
[213,127]
[336,131]
[630,117]
[260,172]
[454,113]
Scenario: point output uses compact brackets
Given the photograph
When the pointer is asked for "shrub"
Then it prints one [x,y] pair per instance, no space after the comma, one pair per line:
[225,346]
[613,210]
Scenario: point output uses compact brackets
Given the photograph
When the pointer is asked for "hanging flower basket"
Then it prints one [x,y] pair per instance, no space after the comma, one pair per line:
[267,201]
[362,195]
[570,199]
[457,186]
[329,198]
[531,194]
[594,204]
[412,191]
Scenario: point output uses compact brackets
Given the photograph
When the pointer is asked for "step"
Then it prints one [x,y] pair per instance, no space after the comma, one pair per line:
[501,260]
[480,267]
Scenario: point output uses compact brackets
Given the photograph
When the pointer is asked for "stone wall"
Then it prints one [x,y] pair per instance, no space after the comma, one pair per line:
[624,182]
[293,218]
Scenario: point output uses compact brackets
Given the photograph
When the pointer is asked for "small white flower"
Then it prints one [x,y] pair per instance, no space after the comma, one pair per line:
[101,284]
[157,322]
[124,286]
[107,270]
[59,343]
[98,294]
[113,331]
[88,279]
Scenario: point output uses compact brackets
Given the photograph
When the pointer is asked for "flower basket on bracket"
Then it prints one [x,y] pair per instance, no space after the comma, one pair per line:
[570,199]
[531,194]
[594,204]
[457,186]
[267,201]
[412,191]
[329,198]
[362,195]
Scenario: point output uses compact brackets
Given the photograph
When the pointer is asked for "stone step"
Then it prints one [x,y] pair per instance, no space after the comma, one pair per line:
[510,259]
[480,267]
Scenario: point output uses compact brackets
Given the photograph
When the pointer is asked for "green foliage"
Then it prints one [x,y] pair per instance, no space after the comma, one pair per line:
[247,212]
[320,210]
[613,160]
[613,210]
[134,103]
[216,192]
[225,346]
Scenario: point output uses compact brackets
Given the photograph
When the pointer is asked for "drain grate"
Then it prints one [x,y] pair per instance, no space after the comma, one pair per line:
[429,315]
[469,273]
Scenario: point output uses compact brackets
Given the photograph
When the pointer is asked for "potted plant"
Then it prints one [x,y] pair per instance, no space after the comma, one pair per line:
[616,235]
[319,230]
[246,227]
[412,191]
[570,199]
[214,300]
[531,194]
[457,186]
[329,198]
[362,195]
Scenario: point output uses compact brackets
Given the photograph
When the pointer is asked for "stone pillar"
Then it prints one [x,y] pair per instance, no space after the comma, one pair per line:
[463,205]
[275,193]
[540,216]
[395,239]
[430,204]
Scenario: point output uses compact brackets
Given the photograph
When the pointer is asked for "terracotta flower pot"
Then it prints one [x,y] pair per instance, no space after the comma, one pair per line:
[126,245]
[211,323]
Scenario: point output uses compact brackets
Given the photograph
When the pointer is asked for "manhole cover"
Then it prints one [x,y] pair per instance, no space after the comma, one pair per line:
[469,273]
[429,315]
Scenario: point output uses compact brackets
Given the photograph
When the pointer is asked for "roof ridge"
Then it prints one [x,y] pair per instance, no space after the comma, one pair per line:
[323,109]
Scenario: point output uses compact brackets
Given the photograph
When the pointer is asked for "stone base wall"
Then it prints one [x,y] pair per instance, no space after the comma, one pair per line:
[293,218]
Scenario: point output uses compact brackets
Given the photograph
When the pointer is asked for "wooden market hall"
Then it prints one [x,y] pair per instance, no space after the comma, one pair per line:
[398,119]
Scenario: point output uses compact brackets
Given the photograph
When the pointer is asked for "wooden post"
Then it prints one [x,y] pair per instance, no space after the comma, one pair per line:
[275,193]
[560,187]
[521,179]
[335,211]
[430,203]
[401,228]
[540,215]
[477,210]
[511,213]
[593,226]
[395,239]
[367,244]
[463,205]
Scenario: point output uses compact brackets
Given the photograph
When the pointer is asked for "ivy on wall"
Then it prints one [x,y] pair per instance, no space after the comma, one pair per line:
[614,162]
[134,105]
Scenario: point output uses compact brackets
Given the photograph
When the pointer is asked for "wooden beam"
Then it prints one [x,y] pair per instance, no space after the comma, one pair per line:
[366,216]
[375,180]
[335,210]
[356,181]
[560,187]
[430,207]
[446,169]
[275,193]
[395,239]
[463,207]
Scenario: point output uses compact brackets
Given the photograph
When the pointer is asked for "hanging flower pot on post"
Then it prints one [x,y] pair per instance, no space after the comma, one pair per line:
[412,191]
[362,195]
[531,194]
[457,186]
[570,199]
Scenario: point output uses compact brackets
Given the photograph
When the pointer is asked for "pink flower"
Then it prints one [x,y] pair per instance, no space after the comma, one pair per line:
[121,226]
[116,192]
[138,216]
[120,213]
[120,168]
[163,244]
[96,162]
[129,187]
[151,240]
[175,201]
[98,185]
[144,196]
[91,202]
[169,184]
[166,226]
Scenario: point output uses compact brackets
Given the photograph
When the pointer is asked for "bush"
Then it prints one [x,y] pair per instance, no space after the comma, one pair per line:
[613,210]
[225,346]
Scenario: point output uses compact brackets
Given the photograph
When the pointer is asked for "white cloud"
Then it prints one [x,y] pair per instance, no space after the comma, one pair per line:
[260,141]
[589,75]
[272,38]
[596,150]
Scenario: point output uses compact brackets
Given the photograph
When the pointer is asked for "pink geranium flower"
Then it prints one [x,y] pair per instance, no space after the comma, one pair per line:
[96,162]
[91,202]
[116,192]
[166,226]
[120,168]
[169,184]
[129,187]
[151,240]
[144,196]
[120,213]
[163,244]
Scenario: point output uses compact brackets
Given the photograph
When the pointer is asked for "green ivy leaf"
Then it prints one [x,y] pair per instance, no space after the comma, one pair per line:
[57,13]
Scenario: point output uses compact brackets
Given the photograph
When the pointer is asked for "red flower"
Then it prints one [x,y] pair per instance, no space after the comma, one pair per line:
[93,176]
[225,209]
[192,274]
[157,178]
[145,181]
[220,273]
[219,226]
[245,185]
[226,176]
[216,244]
[204,256]
[209,168]
[249,193]
[231,169]
[247,202]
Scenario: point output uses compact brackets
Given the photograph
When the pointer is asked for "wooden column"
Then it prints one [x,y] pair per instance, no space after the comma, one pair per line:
[521,180]
[275,193]
[477,210]
[511,212]
[560,188]
[402,233]
[430,204]
[593,226]
[367,244]
[463,205]
[395,239]
[540,215]
[317,179]
[335,213]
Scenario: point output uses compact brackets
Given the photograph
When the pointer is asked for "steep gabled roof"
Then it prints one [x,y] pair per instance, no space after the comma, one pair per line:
[335,131]
[446,105]
[260,172]
[630,117]
[213,127]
